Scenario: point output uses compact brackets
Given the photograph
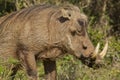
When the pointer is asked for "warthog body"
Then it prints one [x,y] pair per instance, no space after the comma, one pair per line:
[44,32]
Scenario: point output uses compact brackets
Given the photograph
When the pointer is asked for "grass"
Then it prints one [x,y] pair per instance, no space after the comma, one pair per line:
[71,69]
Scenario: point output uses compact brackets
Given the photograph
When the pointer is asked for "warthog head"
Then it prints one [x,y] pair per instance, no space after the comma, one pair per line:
[77,41]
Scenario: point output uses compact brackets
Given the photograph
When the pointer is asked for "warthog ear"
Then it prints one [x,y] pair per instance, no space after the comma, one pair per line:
[65,13]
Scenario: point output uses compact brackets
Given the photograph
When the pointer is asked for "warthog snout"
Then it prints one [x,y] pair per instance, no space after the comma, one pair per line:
[95,57]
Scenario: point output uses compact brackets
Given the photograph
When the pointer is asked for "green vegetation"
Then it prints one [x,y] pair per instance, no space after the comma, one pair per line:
[104,23]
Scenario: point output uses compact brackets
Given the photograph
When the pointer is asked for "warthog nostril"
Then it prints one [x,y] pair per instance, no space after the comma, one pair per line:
[84,47]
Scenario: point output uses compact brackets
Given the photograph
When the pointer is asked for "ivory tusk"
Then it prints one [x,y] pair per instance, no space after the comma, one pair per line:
[104,51]
[96,50]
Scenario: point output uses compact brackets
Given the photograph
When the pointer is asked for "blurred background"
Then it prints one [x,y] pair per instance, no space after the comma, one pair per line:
[104,23]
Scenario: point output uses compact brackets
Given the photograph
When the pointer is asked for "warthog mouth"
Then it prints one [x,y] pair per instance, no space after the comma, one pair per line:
[90,62]
[95,59]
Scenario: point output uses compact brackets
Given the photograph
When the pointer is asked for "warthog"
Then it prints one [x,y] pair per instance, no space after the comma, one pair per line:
[46,32]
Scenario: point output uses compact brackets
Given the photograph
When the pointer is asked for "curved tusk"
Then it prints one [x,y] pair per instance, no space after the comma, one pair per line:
[104,51]
[96,50]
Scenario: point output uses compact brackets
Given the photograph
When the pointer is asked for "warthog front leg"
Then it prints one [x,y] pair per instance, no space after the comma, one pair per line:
[50,69]
[30,65]
[14,71]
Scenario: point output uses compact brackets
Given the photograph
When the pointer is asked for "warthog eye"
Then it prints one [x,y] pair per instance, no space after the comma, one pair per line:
[81,23]
[63,19]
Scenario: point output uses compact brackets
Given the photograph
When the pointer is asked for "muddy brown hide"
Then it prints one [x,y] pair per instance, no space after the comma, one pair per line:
[43,32]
